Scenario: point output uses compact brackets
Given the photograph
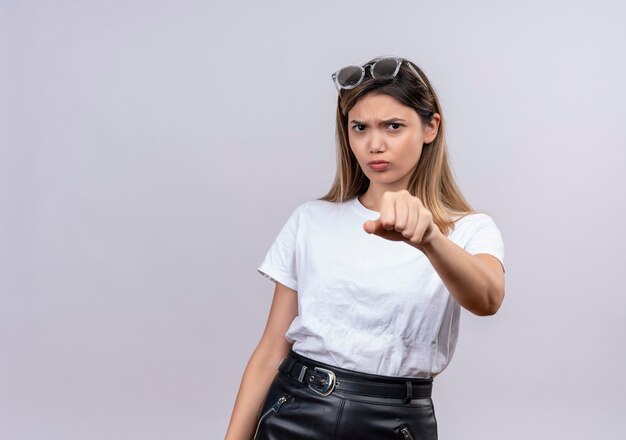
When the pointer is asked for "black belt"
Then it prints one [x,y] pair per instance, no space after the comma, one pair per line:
[324,380]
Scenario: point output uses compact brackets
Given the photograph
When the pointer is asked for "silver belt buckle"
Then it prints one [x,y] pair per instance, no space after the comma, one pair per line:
[328,387]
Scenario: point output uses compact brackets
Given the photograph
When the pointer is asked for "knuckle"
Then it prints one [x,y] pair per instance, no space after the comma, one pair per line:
[387,224]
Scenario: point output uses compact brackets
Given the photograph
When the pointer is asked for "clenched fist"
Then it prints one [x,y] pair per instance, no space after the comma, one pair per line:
[403,217]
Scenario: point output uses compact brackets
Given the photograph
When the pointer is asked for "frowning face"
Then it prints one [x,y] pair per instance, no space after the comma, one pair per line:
[381,128]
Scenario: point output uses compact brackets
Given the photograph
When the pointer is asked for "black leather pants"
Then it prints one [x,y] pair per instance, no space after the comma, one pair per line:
[293,411]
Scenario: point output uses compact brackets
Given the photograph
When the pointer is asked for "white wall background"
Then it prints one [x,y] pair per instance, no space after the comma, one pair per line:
[150,151]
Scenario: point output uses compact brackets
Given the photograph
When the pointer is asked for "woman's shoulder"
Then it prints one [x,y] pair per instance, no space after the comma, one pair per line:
[319,211]
[319,204]
[472,221]
[470,217]
[310,207]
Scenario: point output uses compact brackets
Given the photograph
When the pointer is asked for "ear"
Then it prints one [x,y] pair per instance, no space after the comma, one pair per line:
[431,129]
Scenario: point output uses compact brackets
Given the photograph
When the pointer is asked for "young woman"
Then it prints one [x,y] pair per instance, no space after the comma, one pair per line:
[371,277]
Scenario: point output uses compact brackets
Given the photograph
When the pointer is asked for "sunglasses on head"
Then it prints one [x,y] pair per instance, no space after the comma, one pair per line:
[385,67]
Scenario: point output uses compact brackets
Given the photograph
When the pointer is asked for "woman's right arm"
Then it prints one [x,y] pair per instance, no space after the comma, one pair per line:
[261,368]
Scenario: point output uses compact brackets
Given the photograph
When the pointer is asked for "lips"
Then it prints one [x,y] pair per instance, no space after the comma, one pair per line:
[378,165]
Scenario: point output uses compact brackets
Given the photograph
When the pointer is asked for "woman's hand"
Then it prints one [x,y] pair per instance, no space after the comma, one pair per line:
[403,217]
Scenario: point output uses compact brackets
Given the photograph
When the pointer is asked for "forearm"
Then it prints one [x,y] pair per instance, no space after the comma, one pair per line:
[466,277]
[255,383]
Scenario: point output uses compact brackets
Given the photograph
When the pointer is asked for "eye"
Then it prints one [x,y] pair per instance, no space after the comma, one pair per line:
[395,125]
[358,127]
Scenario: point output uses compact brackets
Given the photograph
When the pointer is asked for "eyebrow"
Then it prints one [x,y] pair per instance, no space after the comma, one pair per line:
[384,121]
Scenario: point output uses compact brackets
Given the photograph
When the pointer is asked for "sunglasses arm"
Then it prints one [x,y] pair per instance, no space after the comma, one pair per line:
[334,78]
[416,74]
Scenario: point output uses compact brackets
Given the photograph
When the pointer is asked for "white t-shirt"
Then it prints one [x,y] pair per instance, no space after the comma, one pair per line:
[366,303]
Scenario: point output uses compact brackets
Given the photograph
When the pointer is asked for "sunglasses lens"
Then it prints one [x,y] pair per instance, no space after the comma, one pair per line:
[384,67]
[349,76]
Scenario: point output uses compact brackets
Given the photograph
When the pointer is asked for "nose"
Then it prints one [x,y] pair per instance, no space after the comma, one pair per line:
[377,142]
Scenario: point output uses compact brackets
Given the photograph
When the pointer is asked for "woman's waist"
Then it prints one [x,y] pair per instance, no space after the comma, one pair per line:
[327,378]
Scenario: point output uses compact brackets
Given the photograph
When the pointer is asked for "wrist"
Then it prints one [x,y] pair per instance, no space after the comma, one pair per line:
[433,242]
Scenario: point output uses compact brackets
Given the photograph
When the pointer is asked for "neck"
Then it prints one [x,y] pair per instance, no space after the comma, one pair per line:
[372,197]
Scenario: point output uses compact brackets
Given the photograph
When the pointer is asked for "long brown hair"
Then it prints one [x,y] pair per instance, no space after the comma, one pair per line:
[432,181]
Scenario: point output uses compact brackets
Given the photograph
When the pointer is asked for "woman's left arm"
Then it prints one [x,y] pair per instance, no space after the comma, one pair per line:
[475,281]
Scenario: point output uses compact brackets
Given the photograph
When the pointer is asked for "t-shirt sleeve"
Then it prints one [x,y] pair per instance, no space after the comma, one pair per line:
[486,238]
[279,263]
